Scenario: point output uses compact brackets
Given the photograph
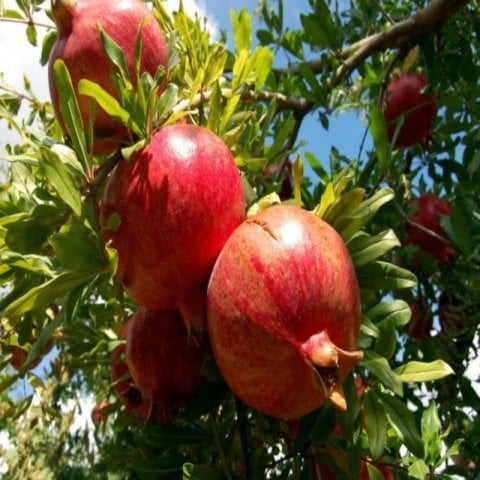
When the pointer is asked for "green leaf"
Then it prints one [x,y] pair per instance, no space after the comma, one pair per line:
[403,422]
[380,367]
[320,29]
[384,276]
[263,66]
[109,104]
[396,310]
[32,35]
[170,435]
[378,129]
[386,342]
[375,422]
[200,472]
[419,470]
[78,249]
[366,248]
[39,297]
[431,435]
[167,100]
[424,372]
[61,180]
[47,44]
[70,111]
[242,30]
[115,55]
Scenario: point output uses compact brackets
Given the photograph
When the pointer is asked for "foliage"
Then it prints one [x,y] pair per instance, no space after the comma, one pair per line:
[59,278]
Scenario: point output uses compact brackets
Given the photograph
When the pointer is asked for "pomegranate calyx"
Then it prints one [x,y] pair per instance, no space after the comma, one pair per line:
[331,364]
[63,12]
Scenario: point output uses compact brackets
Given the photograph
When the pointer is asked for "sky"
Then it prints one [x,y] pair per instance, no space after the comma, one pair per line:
[19,58]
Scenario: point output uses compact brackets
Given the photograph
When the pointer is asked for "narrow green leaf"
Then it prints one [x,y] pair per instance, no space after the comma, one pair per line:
[115,55]
[263,66]
[403,422]
[47,44]
[61,180]
[386,342]
[431,434]
[108,103]
[366,248]
[242,29]
[380,367]
[384,276]
[423,371]
[70,111]
[375,422]
[378,129]
[42,295]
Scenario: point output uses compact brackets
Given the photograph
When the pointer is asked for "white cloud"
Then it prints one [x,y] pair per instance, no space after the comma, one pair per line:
[19,58]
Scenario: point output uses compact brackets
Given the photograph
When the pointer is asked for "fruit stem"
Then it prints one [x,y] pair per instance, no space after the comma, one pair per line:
[192,310]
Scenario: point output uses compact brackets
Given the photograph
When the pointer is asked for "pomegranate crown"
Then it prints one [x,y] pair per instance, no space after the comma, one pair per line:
[63,11]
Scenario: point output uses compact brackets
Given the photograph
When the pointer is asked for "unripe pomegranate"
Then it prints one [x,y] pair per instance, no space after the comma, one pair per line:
[79,46]
[127,391]
[421,321]
[405,102]
[164,360]
[178,201]
[283,312]
[427,214]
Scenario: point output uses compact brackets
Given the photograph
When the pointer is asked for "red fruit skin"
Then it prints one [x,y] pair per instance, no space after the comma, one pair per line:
[421,321]
[429,209]
[126,390]
[164,360]
[282,291]
[79,46]
[99,414]
[179,200]
[405,100]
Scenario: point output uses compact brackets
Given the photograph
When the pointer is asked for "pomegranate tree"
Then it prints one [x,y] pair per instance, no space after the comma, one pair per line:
[168,211]
[79,46]
[406,102]
[164,360]
[428,212]
[283,312]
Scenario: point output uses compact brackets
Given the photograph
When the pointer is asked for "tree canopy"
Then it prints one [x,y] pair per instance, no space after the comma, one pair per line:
[411,406]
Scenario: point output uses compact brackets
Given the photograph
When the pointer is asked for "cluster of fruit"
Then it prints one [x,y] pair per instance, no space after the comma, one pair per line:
[274,297]
[410,113]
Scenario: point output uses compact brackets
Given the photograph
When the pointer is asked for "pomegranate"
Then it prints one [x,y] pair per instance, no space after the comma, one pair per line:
[127,391]
[421,321]
[283,312]
[79,46]
[99,413]
[178,200]
[405,102]
[427,214]
[19,357]
[164,361]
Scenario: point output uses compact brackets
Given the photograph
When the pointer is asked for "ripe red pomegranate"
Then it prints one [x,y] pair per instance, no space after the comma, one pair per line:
[283,312]
[427,214]
[127,391]
[79,46]
[421,321]
[99,413]
[164,361]
[405,102]
[19,356]
[179,199]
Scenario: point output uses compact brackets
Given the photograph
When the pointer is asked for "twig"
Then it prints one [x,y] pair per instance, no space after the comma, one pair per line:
[25,22]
